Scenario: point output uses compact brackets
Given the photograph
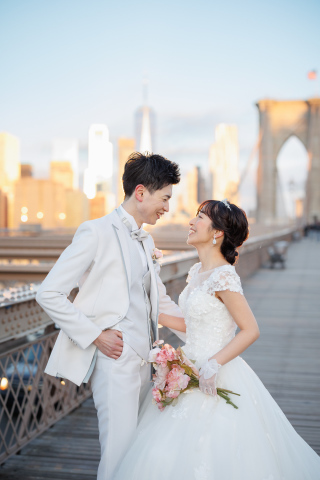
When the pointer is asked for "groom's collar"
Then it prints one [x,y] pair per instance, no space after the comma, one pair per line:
[124,214]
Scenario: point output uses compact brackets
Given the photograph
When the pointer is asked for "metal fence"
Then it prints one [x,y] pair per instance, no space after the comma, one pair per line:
[30,400]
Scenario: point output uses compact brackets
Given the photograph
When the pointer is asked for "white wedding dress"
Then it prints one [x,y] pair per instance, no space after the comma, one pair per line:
[203,438]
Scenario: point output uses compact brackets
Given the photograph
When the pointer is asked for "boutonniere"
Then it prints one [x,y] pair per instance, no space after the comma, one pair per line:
[156,255]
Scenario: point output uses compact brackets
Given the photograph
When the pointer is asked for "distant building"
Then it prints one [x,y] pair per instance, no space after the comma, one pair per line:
[98,206]
[3,210]
[193,191]
[126,146]
[145,129]
[67,150]
[49,204]
[202,187]
[77,208]
[26,170]
[191,200]
[9,159]
[100,160]
[62,173]
[144,124]
[9,171]
[224,163]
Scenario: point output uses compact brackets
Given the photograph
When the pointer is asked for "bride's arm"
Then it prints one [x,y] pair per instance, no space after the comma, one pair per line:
[244,318]
[177,323]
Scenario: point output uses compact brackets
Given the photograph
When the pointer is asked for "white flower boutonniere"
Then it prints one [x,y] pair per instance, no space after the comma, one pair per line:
[156,255]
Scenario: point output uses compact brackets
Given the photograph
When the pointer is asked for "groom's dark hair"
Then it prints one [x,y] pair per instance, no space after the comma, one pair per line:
[152,171]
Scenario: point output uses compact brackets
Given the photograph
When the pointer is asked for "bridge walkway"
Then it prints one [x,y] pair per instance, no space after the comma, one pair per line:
[286,358]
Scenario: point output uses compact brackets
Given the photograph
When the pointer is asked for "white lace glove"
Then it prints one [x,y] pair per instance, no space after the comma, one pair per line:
[208,377]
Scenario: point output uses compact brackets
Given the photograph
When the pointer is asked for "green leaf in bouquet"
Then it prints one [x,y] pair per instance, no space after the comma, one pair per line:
[187,369]
[172,362]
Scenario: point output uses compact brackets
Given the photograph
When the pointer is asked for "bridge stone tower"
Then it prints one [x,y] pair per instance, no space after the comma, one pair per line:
[279,120]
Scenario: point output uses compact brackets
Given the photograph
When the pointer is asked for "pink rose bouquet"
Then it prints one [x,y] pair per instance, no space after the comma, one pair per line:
[175,374]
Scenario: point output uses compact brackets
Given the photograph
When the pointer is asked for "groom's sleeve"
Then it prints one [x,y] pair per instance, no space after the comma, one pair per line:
[53,293]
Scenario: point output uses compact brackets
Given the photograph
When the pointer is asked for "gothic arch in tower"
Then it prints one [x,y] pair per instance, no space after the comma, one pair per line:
[279,120]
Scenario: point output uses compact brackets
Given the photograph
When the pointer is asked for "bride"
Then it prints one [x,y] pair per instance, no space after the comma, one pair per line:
[202,437]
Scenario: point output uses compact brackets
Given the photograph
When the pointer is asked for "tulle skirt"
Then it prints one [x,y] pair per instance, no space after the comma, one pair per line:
[203,438]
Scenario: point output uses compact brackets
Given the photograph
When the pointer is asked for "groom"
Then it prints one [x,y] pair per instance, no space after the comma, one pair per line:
[107,332]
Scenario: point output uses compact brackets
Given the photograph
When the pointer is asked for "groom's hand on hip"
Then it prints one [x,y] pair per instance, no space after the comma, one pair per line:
[110,343]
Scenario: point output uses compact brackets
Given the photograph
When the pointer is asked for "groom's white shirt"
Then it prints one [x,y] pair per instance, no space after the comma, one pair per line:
[98,262]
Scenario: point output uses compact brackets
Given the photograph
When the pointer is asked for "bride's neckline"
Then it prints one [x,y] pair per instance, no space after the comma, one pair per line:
[215,268]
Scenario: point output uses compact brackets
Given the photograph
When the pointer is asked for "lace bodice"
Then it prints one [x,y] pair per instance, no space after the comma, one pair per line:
[209,324]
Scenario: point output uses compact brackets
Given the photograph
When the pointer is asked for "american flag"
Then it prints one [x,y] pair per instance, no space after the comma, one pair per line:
[312,75]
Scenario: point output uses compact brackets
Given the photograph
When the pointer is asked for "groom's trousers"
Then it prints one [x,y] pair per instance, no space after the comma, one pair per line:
[119,386]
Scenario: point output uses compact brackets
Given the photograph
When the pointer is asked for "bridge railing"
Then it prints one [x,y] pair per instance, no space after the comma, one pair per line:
[31,401]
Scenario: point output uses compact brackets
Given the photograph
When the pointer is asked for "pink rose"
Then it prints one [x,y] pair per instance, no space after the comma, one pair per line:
[156,394]
[157,254]
[160,376]
[157,342]
[153,354]
[173,393]
[177,379]
[161,356]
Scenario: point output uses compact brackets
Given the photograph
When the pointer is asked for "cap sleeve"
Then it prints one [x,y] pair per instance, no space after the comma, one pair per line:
[225,278]
[193,270]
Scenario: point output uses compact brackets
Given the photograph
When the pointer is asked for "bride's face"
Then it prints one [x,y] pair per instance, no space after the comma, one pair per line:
[201,230]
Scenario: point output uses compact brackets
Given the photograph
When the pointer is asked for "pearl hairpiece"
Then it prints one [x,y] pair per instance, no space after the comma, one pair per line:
[225,202]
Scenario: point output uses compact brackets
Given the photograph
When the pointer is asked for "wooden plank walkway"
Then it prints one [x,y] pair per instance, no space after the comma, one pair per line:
[286,358]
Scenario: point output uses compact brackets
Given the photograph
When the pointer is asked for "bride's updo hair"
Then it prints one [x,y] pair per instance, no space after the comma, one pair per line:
[232,221]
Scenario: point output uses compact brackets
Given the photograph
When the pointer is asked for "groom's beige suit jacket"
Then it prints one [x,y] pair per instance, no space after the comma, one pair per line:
[98,262]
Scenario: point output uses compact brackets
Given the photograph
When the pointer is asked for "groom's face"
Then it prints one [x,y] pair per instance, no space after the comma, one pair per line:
[155,204]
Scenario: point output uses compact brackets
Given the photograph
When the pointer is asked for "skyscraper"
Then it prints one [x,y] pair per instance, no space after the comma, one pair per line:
[67,150]
[145,129]
[192,191]
[3,210]
[145,124]
[9,172]
[126,146]
[9,159]
[62,173]
[224,163]
[100,160]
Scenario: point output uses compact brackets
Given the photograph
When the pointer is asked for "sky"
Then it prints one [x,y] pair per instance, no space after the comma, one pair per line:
[68,64]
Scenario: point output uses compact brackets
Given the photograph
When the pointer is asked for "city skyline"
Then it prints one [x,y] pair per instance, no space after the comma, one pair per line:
[204,71]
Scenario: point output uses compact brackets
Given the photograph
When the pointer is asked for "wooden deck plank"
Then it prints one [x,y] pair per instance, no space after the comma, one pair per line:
[286,358]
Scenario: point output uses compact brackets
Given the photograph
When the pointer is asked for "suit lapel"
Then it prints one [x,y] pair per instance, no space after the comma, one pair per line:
[123,243]
[154,294]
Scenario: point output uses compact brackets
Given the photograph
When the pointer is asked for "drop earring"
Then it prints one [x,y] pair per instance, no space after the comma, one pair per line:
[214,241]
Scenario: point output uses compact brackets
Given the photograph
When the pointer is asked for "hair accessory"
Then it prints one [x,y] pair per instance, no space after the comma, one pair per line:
[214,241]
[225,202]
